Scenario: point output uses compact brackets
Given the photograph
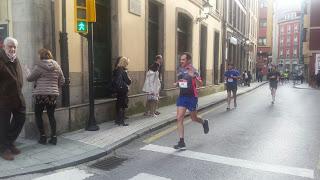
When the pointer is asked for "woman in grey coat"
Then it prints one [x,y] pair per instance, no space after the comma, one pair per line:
[48,78]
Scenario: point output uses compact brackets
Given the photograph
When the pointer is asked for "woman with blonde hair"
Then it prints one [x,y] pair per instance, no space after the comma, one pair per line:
[121,82]
[48,78]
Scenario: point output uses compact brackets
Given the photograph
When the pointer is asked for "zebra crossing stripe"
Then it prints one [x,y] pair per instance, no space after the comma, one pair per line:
[70,174]
[302,172]
[145,176]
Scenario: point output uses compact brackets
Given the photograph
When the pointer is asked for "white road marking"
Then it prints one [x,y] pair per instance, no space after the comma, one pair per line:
[71,174]
[302,172]
[145,176]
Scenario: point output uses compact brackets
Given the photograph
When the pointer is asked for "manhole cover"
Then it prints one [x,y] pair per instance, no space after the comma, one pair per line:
[109,163]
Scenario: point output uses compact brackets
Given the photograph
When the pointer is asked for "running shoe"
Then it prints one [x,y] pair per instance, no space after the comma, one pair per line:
[180,146]
[205,126]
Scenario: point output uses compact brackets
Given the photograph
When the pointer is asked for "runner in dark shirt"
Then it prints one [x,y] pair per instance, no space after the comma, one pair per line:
[231,76]
[273,77]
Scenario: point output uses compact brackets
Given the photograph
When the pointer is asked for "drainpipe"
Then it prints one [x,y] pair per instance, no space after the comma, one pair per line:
[64,57]
[53,43]
[301,58]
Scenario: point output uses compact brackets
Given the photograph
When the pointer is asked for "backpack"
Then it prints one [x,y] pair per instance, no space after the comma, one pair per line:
[114,85]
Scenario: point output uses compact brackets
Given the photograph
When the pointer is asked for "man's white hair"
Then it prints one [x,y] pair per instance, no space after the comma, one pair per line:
[10,40]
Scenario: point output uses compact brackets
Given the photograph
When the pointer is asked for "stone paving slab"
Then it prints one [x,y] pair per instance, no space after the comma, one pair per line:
[81,146]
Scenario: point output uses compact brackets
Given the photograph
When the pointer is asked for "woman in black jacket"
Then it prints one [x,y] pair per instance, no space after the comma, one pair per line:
[121,83]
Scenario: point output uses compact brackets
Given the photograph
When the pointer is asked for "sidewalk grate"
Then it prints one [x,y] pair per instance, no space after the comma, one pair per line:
[109,163]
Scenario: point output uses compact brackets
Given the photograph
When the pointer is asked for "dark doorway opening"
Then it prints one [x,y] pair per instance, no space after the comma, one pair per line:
[203,54]
[153,30]
[102,48]
[155,34]
[184,34]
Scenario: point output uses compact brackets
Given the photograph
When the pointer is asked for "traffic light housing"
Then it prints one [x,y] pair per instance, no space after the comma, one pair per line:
[91,10]
[84,12]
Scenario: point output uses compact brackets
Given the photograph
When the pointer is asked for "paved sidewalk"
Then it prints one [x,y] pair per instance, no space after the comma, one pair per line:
[82,146]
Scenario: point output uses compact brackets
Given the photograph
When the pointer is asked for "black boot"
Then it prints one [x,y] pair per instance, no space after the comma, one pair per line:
[118,117]
[53,140]
[122,112]
[43,139]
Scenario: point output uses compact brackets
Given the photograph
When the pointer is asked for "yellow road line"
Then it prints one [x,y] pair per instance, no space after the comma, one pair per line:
[163,133]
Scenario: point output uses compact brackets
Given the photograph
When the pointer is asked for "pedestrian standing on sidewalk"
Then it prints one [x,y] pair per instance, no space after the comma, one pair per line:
[273,77]
[152,86]
[121,82]
[259,76]
[249,78]
[231,76]
[48,78]
[318,79]
[243,78]
[246,78]
[188,97]
[12,103]
[158,63]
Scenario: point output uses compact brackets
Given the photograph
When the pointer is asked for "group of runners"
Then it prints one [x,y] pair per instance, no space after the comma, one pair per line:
[188,78]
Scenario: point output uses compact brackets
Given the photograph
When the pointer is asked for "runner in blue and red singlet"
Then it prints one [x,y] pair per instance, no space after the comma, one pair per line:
[188,97]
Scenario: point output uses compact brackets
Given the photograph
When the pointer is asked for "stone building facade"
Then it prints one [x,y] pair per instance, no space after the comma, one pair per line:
[241,33]
[138,29]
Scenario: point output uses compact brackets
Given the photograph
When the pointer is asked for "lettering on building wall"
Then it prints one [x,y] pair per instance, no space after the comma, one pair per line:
[135,7]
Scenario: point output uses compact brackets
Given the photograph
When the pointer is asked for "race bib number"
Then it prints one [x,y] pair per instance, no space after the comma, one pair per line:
[183,84]
[230,80]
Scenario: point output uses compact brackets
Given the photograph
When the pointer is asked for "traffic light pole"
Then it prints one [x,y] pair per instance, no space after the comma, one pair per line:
[91,124]
[64,57]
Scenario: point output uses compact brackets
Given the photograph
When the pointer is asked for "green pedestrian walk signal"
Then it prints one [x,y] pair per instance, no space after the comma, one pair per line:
[82,26]
[84,12]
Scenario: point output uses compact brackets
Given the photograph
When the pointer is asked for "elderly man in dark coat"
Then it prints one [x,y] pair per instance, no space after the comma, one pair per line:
[12,104]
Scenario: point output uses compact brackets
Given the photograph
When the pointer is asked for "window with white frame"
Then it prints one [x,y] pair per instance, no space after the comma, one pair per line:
[263,23]
[295,52]
[263,4]
[296,28]
[295,38]
[262,41]
[288,40]
[289,28]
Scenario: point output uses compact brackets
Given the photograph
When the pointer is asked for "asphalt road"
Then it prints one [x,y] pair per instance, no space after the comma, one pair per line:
[257,140]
